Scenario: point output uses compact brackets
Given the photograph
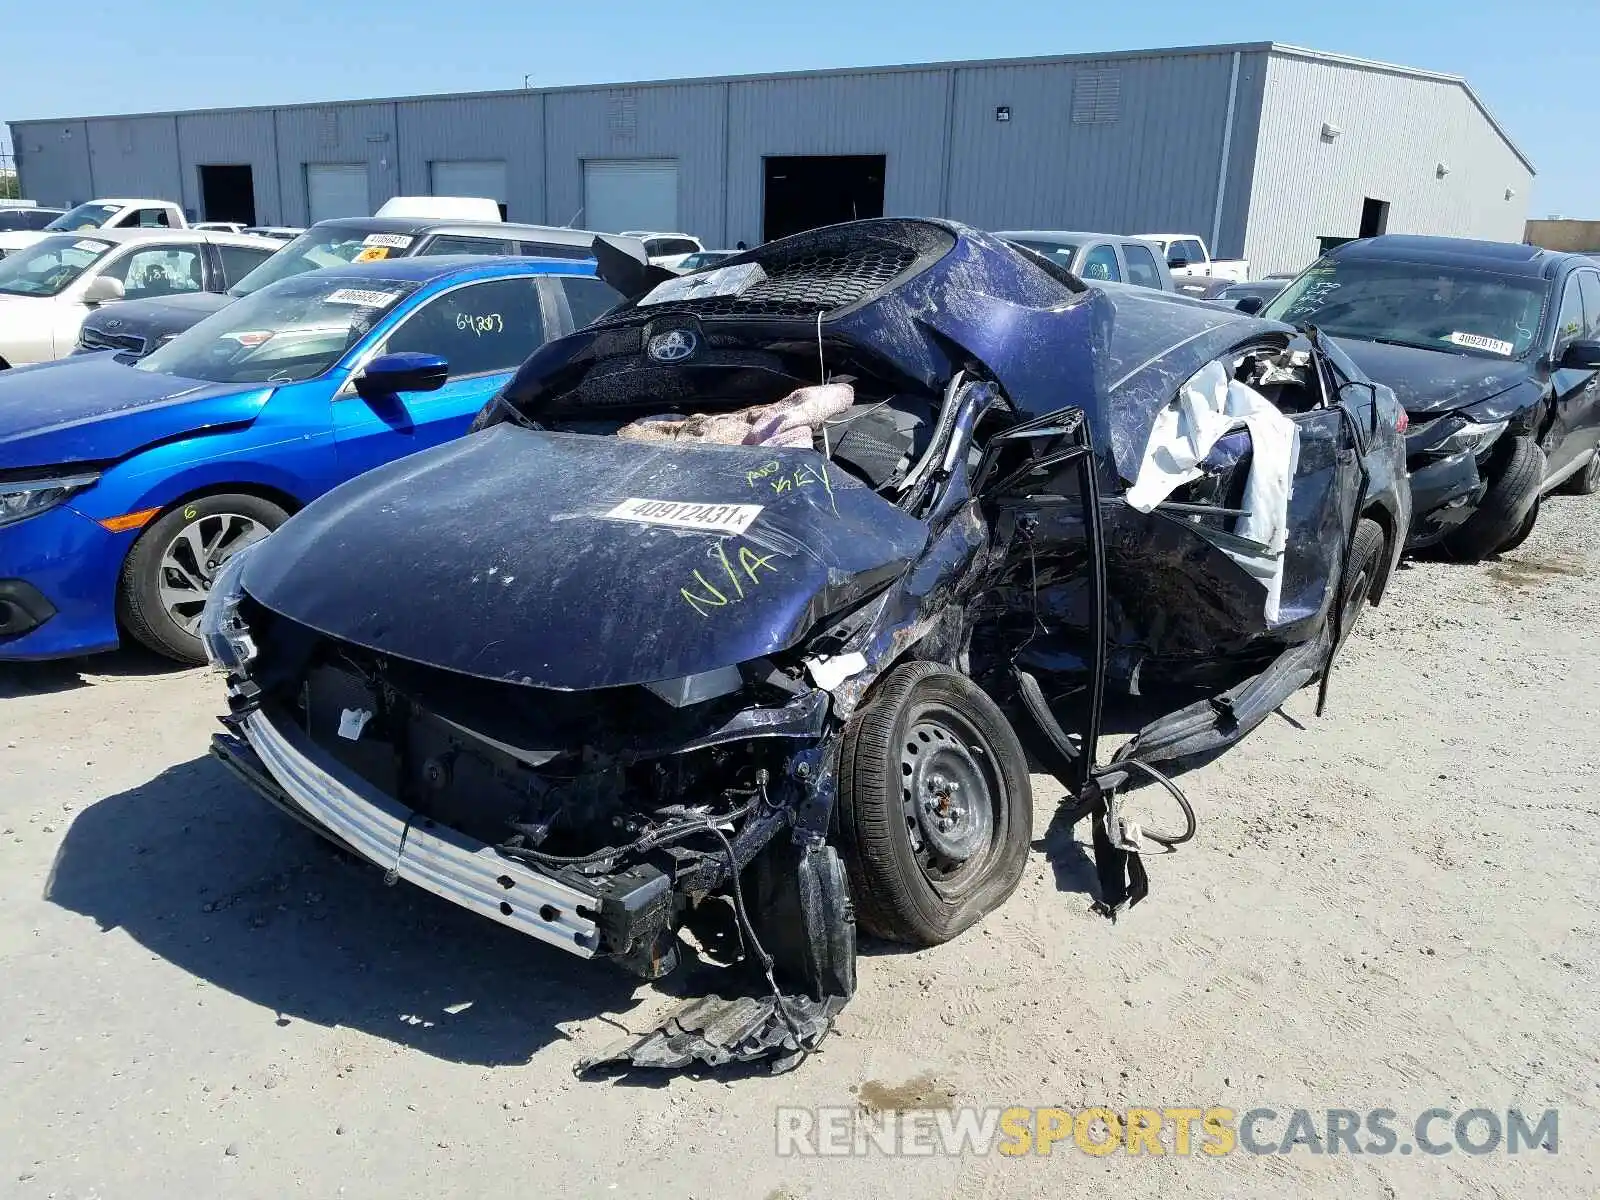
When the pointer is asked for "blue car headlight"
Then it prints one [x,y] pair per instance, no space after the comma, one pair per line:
[223,631]
[24,498]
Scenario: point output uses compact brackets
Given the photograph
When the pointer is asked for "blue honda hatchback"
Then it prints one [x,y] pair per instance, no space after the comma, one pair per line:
[124,486]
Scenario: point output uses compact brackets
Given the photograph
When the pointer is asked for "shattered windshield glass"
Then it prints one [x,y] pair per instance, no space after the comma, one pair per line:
[293,331]
[1445,308]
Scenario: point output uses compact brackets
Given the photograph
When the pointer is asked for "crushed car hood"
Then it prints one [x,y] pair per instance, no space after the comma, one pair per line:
[95,409]
[1435,381]
[157,317]
[513,570]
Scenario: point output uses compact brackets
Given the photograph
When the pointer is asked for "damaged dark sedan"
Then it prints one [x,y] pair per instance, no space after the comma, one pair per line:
[752,591]
[1493,349]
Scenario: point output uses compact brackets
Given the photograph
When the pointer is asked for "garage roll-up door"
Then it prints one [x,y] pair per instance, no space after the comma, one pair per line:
[638,193]
[337,190]
[471,177]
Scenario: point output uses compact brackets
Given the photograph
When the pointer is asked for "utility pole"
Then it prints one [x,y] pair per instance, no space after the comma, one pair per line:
[525,78]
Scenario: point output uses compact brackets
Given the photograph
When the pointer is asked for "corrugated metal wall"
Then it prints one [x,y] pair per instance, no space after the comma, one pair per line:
[1127,143]
[1145,159]
[900,114]
[336,133]
[1394,131]
[53,161]
[236,138]
[682,122]
[134,156]
[505,128]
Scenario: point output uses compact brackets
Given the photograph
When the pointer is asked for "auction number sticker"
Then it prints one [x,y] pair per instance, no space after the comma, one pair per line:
[395,241]
[89,247]
[1478,342]
[682,514]
[363,297]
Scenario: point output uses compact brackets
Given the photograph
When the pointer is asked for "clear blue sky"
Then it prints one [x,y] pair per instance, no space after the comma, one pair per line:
[1535,63]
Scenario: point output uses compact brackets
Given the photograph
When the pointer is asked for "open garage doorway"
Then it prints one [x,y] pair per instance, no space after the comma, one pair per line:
[228,193]
[805,192]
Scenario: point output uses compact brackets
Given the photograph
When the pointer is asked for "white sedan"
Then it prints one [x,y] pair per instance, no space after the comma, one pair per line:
[47,289]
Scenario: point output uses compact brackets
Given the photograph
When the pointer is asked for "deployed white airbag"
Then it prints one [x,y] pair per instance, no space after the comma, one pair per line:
[1208,407]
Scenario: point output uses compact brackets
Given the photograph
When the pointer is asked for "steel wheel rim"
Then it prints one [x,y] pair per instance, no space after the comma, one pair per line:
[192,559]
[1356,598]
[950,798]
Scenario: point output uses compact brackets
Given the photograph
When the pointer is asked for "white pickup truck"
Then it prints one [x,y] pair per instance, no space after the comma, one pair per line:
[1188,258]
[101,214]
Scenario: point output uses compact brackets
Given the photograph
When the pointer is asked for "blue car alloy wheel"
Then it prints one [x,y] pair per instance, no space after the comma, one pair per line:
[168,575]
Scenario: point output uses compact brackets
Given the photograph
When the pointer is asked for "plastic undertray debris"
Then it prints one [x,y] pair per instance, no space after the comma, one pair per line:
[716,1032]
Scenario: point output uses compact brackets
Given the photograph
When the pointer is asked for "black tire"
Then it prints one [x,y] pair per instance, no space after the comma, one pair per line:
[1587,481]
[1516,476]
[1524,531]
[140,606]
[1366,561]
[938,718]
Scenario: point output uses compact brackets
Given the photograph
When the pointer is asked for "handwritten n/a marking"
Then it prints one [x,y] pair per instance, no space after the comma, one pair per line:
[727,567]
[711,599]
[753,562]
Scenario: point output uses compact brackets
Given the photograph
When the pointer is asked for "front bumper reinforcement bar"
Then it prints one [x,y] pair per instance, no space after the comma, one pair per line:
[436,858]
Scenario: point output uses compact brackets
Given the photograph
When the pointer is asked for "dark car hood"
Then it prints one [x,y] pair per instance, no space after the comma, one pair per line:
[1435,381]
[492,556]
[156,318]
[95,409]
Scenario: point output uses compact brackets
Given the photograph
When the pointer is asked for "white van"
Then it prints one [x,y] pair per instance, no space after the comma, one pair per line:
[441,208]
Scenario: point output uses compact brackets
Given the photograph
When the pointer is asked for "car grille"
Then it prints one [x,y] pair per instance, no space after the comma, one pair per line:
[94,339]
[821,271]
[815,283]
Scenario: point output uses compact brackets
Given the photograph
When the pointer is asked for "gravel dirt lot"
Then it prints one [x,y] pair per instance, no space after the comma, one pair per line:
[1393,906]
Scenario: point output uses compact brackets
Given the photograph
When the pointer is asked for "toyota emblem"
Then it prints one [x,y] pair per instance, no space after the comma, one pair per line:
[673,346]
[114,323]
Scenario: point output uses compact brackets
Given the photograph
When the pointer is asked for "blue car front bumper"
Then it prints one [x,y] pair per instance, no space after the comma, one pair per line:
[58,585]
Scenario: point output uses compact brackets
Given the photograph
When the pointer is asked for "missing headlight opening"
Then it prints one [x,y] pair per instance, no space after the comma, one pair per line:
[763,648]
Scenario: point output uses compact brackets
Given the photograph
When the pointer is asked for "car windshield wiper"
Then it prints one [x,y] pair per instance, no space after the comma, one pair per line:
[1409,345]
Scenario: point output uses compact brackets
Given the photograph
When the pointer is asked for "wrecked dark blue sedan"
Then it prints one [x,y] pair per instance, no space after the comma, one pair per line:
[756,587]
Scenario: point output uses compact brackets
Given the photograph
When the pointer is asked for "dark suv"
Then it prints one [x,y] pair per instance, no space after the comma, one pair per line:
[1493,349]
[139,326]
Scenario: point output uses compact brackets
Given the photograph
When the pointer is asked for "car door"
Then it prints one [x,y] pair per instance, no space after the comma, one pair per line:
[1571,392]
[145,270]
[484,329]
[1582,402]
[1142,269]
[583,299]
[236,262]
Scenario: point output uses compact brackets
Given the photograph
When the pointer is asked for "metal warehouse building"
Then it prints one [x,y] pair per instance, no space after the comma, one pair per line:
[1264,148]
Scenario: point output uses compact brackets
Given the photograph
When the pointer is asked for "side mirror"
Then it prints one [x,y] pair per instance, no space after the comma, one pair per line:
[103,289]
[1580,356]
[406,371]
[1249,304]
[1177,260]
